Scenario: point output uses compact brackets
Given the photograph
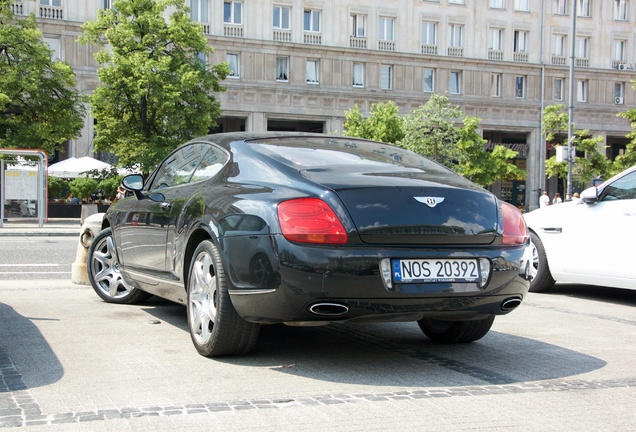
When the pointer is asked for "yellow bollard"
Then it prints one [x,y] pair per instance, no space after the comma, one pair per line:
[90,228]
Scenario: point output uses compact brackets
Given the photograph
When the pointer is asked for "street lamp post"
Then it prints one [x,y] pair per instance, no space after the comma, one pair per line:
[570,154]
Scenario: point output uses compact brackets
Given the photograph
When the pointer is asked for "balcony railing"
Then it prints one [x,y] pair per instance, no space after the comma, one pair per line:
[51,12]
[233,31]
[428,49]
[455,52]
[206,28]
[495,55]
[357,42]
[17,8]
[520,57]
[558,60]
[313,38]
[385,45]
[282,36]
[582,62]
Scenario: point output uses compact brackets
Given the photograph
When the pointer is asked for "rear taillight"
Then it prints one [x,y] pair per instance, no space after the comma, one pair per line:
[515,230]
[310,220]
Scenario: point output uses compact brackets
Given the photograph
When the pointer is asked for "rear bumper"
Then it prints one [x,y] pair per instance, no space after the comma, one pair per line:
[348,282]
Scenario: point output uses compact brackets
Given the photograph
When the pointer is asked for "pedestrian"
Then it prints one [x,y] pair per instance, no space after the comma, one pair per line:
[544,200]
[557,199]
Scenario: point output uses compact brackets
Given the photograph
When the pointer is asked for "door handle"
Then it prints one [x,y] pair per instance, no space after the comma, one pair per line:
[165,206]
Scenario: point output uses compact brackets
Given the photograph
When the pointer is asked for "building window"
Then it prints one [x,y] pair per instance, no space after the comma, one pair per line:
[559,45]
[386,77]
[582,47]
[557,84]
[282,69]
[495,85]
[521,41]
[107,4]
[232,12]
[51,2]
[199,11]
[233,63]
[455,35]
[386,29]
[358,74]
[358,25]
[496,4]
[457,2]
[282,16]
[455,82]
[496,39]
[561,7]
[429,33]
[619,49]
[619,93]
[312,20]
[55,47]
[522,5]
[312,72]
[581,90]
[583,8]
[520,87]
[429,80]
[620,10]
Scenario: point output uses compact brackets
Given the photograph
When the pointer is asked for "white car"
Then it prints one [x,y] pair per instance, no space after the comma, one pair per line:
[590,241]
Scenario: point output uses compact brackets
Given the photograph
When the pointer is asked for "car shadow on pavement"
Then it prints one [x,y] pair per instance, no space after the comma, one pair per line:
[26,358]
[390,354]
[593,292]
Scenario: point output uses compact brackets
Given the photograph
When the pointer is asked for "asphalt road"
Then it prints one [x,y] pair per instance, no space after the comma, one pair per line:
[69,362]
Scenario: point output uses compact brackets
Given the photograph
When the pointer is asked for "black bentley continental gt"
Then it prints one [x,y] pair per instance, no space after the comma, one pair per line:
[247,229]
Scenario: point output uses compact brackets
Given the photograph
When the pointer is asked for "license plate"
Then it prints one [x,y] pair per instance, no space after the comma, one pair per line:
[435,270]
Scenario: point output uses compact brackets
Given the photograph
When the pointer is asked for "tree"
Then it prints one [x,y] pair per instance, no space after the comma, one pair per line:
[155,89]
[430,130]
[627,159]
[589,163]
[481,166]
[382,125]
[83,187]
[40,107]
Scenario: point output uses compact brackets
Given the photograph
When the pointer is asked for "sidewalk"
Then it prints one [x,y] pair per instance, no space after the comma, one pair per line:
[28,227]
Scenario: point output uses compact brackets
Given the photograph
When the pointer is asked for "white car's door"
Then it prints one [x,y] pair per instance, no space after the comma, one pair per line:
[600,237]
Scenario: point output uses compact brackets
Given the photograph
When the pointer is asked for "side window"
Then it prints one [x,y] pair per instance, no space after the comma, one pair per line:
[622,189]
[179,166]
[212,162]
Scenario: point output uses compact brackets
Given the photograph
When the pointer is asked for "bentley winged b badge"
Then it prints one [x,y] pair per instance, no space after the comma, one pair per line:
[430,201]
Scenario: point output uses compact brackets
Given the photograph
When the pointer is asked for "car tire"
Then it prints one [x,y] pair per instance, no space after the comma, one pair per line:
[215,327]
[102,266]
[541,278]
[450,332]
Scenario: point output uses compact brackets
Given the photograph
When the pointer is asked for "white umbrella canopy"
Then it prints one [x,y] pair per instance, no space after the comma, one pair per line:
[74,167]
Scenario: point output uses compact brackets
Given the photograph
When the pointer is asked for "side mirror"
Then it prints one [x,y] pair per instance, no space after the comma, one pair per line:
[590,195]
[133,182]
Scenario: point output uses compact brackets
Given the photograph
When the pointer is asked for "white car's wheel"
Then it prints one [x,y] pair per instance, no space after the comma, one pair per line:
[215,327]
[541,278]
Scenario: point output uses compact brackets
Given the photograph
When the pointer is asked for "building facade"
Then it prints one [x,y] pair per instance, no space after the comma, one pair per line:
[300,64]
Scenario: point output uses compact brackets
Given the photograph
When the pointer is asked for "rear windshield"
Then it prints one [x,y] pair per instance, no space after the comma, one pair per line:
[307,153]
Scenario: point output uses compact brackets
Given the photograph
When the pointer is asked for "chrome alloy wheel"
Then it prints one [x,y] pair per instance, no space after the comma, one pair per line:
[202,298]
[104,270]
[534,267]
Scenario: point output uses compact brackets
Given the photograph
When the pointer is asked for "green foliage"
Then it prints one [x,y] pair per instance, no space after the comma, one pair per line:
[382,125]
[155,91]
[83,187]
[57,187]
[592,164]
[430,130]
[40,108]
[628,159]
[479,165]
[109,185]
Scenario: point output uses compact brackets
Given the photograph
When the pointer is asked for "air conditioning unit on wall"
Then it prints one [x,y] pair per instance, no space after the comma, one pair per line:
[618,100]
[622,66]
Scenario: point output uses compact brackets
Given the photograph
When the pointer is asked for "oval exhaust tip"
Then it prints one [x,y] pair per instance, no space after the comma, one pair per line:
[328,309]
[510,304]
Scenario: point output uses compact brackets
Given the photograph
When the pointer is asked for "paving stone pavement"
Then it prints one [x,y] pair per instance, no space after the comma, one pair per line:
[68,361]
